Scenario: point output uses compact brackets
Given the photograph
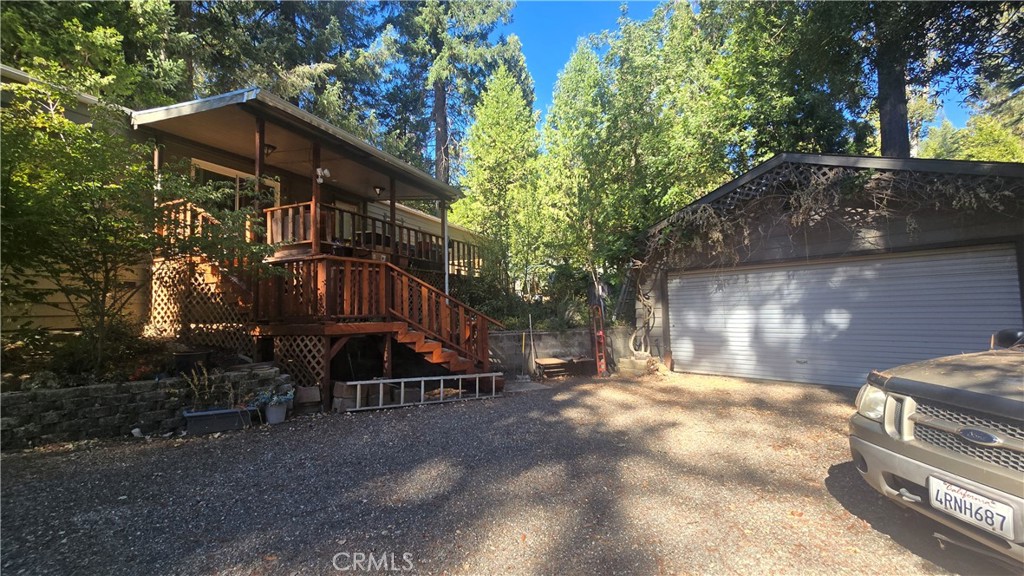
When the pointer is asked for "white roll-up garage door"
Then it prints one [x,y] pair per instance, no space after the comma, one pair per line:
[832,322]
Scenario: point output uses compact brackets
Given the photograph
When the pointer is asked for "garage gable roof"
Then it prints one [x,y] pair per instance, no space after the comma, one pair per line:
[770,174]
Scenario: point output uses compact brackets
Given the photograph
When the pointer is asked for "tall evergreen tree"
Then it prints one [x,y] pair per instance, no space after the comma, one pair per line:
[572,136]
[901,44]
[315,54]
[500,183]
[445,48]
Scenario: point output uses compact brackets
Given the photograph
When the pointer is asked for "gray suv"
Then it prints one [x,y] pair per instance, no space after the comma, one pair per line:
[945,437]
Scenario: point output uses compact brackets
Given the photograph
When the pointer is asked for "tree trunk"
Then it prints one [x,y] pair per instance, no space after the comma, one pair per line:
[440,118]
[891,65]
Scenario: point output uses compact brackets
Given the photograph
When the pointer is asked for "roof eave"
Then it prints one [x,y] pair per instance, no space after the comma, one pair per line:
[445,191]
[266,102]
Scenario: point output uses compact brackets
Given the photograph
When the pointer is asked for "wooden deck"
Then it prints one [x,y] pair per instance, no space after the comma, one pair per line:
[306,315]
[345,233]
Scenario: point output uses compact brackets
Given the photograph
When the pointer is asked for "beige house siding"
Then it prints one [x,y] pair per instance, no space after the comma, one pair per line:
[50,317]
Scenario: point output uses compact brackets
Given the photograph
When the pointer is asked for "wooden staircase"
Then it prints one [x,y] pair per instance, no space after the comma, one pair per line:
[433,352]
[327,289]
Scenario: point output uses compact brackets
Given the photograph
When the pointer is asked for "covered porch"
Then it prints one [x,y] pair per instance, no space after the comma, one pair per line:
[333,193]
[365,276]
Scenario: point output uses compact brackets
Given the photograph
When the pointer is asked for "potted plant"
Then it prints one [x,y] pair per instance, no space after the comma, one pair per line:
[216,406]
[276,402]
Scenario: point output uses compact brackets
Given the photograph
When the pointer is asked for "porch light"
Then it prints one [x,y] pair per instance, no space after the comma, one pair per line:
[268,149]
[322,173]
[378,190]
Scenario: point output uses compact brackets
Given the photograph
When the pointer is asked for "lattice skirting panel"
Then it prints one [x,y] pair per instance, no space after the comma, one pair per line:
[170,283]
[189,303]
[303,357]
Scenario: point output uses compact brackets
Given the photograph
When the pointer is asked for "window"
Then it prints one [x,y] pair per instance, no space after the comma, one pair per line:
[210,173]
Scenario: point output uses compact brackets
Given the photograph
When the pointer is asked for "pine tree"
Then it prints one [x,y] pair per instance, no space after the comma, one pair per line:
[443,50]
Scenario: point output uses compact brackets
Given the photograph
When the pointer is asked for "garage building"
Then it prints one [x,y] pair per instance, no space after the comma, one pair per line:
[912,259]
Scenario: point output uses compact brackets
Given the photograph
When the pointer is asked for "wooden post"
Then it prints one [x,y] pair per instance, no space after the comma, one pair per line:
[314,209]
[483,346]
[387,295]
[323,304]
[444,247]
[389,359]
[325,380]
[261,136]
[157,162]
[394,228]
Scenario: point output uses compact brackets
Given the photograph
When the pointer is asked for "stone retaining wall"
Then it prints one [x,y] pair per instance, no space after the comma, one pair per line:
[43,416]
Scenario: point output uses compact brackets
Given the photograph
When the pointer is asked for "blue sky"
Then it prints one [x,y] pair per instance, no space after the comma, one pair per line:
[549,31]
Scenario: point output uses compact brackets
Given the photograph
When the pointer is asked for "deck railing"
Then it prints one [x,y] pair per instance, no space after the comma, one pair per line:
[347,233]
[184,219]
[333,288]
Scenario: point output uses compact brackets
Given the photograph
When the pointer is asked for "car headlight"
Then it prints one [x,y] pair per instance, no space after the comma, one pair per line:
[871,402]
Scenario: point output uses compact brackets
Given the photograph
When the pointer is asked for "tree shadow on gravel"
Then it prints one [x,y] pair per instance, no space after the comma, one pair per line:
[582,478]
[907,528]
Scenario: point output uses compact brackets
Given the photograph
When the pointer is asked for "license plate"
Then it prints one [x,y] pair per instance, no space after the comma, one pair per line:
[971,507]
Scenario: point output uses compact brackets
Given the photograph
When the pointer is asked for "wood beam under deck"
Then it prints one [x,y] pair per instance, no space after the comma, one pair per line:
[329,329]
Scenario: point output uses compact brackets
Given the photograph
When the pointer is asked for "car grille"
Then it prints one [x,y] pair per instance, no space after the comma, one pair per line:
[961,417]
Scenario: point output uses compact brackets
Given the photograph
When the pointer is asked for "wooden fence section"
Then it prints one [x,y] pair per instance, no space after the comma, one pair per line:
[347,233]
[333,288]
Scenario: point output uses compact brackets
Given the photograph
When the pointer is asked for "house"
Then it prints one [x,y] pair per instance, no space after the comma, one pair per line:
[831,266]
[358,292]
[366,293]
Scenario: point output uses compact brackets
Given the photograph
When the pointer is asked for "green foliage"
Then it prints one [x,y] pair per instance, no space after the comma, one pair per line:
[570,168]
[501,194]
[1003,104]
[674,107]
[774,89]
[146,53]
[943,141]
[984,139]
[79,213]
[126,52]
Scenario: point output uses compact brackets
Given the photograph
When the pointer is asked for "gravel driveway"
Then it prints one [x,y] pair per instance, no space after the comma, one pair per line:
[664,475]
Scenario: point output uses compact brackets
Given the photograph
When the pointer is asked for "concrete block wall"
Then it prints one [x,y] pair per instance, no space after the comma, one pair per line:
[508,355]
[44,416]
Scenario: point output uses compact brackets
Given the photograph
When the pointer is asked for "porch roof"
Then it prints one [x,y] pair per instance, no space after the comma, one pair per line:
[227,123]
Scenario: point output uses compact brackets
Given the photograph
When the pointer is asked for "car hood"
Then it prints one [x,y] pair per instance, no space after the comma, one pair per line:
[991,382]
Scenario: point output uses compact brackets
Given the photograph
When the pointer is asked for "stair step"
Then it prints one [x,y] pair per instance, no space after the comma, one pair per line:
[435,352]
[428,346]
[460,364]
[442,355]
[410,337]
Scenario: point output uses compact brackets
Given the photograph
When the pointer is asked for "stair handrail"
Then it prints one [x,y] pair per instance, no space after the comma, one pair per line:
[434,289]
[390,266]
[472,324]
[481,353]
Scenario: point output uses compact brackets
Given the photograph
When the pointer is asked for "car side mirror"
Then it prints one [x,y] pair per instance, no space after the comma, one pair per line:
[1007,338]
